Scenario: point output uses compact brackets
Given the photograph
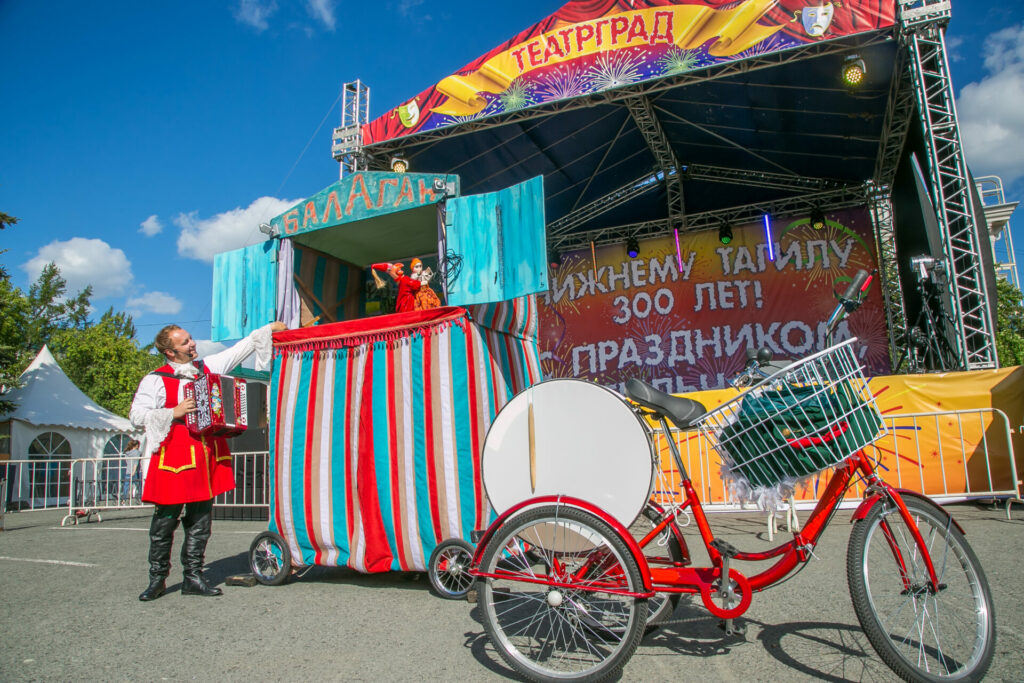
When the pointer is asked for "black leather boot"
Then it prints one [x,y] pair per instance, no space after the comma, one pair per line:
[197,523]
[161,537]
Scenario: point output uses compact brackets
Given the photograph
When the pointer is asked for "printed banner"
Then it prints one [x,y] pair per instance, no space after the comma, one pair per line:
[683,319]
[590,46]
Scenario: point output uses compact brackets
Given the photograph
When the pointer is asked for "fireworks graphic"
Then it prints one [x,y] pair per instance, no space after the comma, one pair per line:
[772,43]
[562,83]
[677,61]
[517,95]
[614,70]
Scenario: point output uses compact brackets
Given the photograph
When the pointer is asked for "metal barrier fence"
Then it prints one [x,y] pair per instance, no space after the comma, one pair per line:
[88,486]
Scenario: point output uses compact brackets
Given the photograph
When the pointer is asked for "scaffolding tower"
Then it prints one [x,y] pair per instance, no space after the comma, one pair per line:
[922,24]
[347,142]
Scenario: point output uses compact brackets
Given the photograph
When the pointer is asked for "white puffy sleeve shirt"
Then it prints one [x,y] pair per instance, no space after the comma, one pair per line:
[148,409]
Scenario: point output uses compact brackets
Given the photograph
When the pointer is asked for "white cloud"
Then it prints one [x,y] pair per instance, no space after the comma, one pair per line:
[255,13]
[322,11]
[989,111]
[201,238]
[153,302]
[84,262]
[405,7]
[151,226]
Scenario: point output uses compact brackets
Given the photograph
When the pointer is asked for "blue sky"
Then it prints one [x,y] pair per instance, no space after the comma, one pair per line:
[139,138]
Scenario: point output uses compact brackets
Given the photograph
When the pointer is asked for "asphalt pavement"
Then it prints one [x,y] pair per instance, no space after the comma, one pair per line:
[69,612]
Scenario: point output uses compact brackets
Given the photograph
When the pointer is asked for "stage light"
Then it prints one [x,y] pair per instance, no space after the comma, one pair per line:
[725,232]
[632,247]
[854,71]
[399,164]
[554,258]
[817,218]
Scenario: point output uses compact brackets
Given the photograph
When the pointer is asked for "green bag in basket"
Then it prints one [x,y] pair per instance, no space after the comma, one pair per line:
[795,431]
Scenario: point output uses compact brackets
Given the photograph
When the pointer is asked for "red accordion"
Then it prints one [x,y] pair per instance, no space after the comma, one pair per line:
[220,406]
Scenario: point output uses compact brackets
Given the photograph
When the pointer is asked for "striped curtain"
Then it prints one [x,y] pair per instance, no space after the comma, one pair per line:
[376,432]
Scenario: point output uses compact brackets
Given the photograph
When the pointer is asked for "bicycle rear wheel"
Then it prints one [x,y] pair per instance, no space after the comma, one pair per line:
[546,632]
[947,635]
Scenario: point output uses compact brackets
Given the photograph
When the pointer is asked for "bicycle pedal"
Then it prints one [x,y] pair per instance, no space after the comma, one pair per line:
[727,549]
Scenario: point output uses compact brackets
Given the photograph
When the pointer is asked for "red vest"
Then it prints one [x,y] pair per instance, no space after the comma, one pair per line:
[185,468]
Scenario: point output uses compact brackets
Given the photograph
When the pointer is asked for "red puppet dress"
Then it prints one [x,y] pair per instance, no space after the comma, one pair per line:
[186,468]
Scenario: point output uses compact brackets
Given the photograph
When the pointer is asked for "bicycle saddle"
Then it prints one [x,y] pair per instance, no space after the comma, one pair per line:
[682,411]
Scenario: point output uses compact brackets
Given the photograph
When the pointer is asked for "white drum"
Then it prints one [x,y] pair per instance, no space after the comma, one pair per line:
[572,438]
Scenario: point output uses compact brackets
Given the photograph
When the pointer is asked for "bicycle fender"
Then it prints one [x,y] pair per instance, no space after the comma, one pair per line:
[568,501]
[865,506]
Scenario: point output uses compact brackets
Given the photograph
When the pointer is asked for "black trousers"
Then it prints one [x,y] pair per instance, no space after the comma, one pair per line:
[197,520]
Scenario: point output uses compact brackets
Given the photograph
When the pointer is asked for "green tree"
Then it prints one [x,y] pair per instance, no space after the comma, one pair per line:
[104,359]
[1009,324]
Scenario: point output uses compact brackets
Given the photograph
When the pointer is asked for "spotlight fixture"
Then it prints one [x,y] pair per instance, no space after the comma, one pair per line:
[268,230]
[725,232]
[554,258]
[854,71]
[399,164]
[817,218]
[632,247]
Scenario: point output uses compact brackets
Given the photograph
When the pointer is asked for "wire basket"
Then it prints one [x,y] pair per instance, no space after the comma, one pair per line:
[805,418]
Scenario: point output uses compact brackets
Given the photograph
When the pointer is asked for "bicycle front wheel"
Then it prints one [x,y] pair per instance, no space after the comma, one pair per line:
[553,611]
[923,635]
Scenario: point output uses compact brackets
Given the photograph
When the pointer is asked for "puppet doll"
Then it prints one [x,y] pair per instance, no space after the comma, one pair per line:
[425,297]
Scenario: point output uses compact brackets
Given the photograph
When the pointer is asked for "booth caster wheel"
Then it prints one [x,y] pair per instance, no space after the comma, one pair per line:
[448,569]
[270,559]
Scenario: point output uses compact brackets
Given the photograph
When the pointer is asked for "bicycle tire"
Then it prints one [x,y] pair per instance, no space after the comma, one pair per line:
[919,635]
[448,569]
[561,634]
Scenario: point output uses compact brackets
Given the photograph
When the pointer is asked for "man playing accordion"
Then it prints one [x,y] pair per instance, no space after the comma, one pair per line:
[184,471]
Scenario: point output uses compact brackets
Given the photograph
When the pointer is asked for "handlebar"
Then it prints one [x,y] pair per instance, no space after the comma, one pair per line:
[849,301]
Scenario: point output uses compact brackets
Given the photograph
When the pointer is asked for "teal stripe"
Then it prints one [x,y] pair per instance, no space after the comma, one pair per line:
[381,445]
[419,440]
[298,463]
[461,410]
[275,378]
[339,476]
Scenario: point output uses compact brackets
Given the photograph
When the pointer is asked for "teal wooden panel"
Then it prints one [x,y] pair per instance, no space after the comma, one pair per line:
[244,290]
[501,239]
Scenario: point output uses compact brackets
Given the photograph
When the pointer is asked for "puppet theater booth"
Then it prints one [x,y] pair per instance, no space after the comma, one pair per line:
[713,173]
[377,421]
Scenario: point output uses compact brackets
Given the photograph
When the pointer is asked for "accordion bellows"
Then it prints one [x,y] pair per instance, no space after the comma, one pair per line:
[221,407]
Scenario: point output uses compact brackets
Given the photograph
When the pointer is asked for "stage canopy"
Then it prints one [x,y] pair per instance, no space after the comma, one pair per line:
[649,115]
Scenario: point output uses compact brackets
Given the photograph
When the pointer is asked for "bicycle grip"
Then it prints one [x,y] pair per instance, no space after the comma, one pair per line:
[857,285]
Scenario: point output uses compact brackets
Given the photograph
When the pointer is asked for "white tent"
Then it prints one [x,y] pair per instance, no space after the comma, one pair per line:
[63,422]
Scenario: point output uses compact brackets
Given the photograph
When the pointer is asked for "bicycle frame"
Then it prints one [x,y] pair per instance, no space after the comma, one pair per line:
[661,575]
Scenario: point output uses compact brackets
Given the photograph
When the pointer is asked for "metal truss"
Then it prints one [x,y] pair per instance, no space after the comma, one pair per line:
[649,125]
[782,181]
[880,204]
[922,23]
[601,205]
[347,141]
[841,198]
[756,63]
[645,183]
